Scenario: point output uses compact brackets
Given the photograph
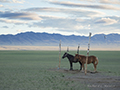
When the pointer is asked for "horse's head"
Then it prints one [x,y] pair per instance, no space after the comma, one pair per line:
[65,55]
[77,57]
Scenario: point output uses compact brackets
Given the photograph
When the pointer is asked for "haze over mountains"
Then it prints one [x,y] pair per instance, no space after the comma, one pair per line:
[46,39]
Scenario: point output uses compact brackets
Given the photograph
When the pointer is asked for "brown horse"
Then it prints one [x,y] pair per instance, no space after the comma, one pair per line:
[82,59]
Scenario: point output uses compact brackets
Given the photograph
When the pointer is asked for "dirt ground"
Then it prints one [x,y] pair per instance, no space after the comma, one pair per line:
[94,81]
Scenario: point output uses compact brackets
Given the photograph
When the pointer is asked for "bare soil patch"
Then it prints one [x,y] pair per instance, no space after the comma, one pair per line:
[94,81]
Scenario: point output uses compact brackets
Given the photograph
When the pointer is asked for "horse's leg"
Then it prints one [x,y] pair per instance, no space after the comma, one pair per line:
[94,67]
[83,68]
[71,66]
[80,65]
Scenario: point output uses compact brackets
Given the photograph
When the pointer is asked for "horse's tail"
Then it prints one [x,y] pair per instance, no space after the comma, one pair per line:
[96,61]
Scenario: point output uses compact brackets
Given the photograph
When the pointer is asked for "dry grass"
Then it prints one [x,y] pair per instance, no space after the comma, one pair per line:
[52,48]
[33,48]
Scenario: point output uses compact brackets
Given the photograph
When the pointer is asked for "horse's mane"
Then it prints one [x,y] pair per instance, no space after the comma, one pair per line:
[70,55]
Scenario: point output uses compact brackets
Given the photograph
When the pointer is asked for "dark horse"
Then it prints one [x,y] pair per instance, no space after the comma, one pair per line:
[71,60]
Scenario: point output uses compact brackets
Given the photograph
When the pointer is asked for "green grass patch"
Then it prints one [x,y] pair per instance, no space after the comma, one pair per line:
[29,70]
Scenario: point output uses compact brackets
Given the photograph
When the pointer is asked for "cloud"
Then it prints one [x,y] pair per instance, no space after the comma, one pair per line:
[71,4]
[63,24]
[18,1]
[103,1]
[110,1]
[19,15]
[5,1]
[1,5]
[78,26]
[13,1]
[75,12]
[5,27]
[13,21]
[106,21]
[19,30]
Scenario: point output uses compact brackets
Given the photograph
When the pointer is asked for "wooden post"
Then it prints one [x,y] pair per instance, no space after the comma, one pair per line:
[78,49]
[67,49]
[59,53]
[88,53]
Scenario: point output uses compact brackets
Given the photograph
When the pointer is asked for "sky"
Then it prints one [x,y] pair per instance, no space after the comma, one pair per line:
[66,17]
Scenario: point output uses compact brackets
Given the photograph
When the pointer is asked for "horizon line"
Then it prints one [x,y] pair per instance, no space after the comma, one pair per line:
[57,33]
[53,48]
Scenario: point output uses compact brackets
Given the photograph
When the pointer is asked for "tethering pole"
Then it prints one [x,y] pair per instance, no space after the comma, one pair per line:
[67,49]
[88,53]
[59,54]
[78,49]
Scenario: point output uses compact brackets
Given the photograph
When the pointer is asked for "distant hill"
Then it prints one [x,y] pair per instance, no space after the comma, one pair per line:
[45,39]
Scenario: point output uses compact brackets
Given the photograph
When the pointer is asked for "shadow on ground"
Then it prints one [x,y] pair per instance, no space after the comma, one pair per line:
[93,80]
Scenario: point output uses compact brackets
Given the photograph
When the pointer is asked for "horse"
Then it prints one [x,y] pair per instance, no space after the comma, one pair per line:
[82,59]
[71,60]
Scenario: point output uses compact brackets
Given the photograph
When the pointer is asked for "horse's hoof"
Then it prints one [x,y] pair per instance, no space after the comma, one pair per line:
[71,69]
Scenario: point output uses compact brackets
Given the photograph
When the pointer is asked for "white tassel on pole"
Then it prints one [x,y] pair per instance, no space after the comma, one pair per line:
[88,53]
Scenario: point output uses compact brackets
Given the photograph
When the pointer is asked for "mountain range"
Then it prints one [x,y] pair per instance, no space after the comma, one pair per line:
[46,39]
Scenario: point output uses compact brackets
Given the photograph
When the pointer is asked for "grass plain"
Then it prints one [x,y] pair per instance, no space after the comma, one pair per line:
[32,70]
